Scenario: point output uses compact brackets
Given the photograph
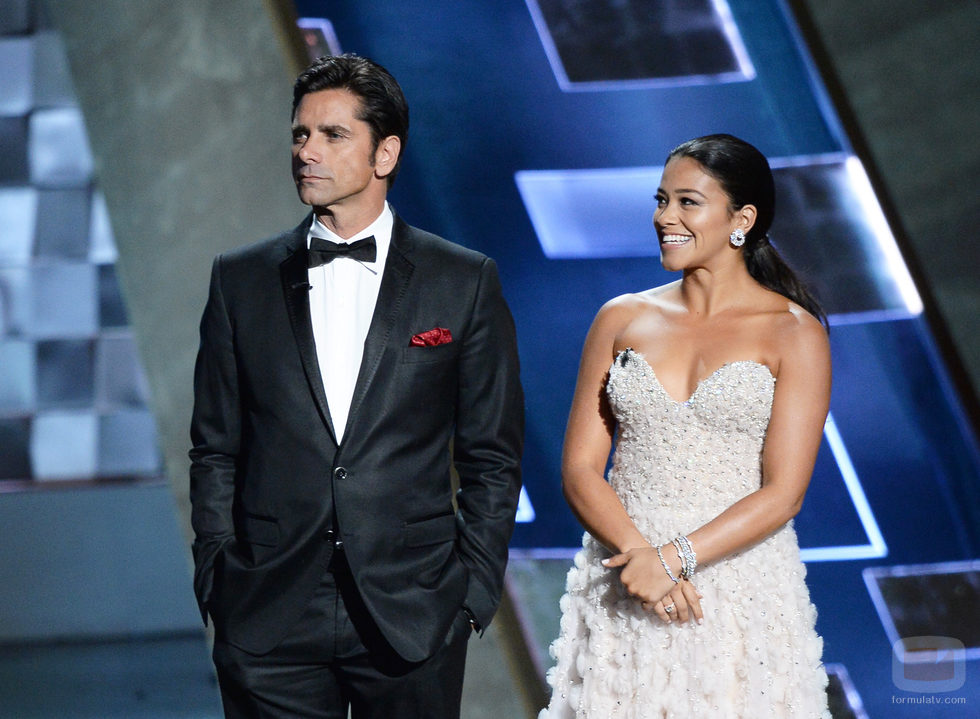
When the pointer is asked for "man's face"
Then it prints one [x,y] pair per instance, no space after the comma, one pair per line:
[333,159]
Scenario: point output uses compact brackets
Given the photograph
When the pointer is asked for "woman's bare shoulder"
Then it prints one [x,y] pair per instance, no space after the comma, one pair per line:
[619,312]
[799,335]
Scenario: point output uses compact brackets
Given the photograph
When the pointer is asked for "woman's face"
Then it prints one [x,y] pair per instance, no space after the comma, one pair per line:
[693,217]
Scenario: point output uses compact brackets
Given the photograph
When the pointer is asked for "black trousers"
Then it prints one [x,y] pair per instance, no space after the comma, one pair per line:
[335,658]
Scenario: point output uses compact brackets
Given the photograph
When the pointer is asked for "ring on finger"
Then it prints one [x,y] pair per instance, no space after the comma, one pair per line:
[668,608]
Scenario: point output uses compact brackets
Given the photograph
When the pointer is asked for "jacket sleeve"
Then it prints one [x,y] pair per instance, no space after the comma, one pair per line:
[215,439]
[488,444]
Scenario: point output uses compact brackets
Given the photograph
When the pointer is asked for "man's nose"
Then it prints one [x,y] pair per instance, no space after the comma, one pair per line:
[307,151]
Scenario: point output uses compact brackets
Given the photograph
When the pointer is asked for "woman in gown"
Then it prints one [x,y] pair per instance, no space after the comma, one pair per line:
[688,599]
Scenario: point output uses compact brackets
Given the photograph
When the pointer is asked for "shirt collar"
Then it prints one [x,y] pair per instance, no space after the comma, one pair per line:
[381,230]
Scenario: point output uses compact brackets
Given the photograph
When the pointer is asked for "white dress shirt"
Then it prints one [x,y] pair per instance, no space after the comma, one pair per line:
[343,294]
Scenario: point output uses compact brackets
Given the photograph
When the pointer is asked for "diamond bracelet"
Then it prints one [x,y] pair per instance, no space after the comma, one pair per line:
[663,561]
[689,560]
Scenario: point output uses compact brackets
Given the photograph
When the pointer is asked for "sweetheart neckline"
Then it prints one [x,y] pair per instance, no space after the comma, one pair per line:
[700,383]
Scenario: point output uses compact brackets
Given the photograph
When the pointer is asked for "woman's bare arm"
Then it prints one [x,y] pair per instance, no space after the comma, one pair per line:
[800,403]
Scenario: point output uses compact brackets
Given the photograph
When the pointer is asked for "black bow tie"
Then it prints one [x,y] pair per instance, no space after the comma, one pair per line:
[323,251]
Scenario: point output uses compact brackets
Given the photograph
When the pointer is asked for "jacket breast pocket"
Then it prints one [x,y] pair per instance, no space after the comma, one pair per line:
[435,530]
[437,353]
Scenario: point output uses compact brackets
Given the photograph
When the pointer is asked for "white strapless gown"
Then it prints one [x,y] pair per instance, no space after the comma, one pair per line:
[678,465]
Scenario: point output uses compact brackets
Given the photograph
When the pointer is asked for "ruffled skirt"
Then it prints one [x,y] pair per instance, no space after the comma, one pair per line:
[757,653]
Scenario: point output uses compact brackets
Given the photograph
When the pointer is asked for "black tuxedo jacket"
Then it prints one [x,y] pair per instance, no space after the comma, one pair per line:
[271,487]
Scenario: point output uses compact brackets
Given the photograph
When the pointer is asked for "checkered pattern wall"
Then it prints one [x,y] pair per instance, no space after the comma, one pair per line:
[73,399]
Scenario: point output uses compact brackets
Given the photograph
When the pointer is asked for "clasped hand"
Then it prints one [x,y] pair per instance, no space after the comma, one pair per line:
[644,578]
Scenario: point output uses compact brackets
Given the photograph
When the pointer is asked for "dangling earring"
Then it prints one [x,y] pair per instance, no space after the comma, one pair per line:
[737,238]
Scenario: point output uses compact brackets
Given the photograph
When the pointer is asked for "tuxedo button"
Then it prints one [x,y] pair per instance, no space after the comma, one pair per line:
[340,473]
[329,535]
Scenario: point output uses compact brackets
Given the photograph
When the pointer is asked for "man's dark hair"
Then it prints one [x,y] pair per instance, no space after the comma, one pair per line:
[382,104]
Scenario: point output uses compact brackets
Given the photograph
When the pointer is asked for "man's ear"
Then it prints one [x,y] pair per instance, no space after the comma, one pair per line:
[386,156]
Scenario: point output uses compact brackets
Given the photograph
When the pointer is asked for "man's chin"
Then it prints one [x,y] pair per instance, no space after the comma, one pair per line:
[309,198]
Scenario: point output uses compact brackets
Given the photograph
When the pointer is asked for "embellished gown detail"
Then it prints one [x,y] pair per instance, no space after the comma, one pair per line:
[677,466]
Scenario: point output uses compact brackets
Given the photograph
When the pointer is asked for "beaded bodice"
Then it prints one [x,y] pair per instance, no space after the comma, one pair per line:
[679,464]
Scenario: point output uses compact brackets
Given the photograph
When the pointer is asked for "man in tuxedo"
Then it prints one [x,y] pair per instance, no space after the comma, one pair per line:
[344,367]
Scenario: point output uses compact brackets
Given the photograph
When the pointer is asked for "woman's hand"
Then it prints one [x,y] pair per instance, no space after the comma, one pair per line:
[642,573]
[645,578]
[681,603]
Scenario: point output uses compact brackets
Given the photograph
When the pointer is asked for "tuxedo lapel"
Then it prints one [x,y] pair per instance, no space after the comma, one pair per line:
[391,298]
[296,289]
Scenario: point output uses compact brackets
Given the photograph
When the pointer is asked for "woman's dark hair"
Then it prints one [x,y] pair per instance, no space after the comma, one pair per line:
[382,107]
[746,178]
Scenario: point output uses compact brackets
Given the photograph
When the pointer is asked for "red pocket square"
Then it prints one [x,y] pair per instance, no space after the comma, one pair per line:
[433,337]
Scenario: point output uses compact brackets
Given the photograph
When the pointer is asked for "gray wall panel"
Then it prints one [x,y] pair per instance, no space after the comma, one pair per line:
[187,108]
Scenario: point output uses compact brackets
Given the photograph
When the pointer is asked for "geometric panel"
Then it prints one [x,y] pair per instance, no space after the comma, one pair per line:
[13,151]
[52,79]
[58,148]
[15,448]
[591,214]
[18,211]
[842,696]
[65,373]
[15,17]
[871,544]
[828,519]
[63,445]
[319,37]
[112,308]
[127,444]
[102,245]
[17,381]
[63,300]
[119,381]
[73,398]
[619,44]
[63,223]
[830,224]
[15,300]
[15,90]
[928,600]
[525,511]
